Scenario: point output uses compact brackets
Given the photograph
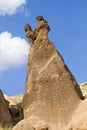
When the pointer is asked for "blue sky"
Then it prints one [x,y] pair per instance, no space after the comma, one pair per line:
[68,23]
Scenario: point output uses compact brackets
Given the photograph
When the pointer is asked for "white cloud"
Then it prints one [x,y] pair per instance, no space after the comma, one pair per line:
[11,6]
[13,51]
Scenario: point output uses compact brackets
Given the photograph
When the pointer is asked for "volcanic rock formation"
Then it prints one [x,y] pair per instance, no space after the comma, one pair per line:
[5,117]
[15,107]
[52,94]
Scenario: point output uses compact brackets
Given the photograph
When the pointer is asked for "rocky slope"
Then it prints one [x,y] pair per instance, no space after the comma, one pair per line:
[15,107]
[10,110]
[5,117]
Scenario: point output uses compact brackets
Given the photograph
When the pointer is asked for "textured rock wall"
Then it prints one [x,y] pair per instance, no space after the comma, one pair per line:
[15,107]
[52,95]
[5,117]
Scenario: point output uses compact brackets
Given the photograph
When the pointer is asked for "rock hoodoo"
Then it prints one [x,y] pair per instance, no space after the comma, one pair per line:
[52,94]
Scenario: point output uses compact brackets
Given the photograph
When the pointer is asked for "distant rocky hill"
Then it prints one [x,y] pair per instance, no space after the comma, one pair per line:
[14,100]
[83,87]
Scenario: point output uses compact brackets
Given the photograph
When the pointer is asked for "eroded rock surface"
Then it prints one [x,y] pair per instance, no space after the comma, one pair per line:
[15,107]
[32,123]
[5,117]
[52,94]
[83,87]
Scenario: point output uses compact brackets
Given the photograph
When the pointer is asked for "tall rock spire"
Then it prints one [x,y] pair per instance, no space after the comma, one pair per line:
[52,93]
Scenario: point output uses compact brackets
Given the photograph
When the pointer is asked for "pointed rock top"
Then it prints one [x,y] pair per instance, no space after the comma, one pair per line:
[41,24]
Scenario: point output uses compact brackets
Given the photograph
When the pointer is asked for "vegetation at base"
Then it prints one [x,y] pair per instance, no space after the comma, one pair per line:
[1,128]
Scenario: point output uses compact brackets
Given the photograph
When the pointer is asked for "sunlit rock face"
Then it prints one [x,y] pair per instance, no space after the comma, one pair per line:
[52,94]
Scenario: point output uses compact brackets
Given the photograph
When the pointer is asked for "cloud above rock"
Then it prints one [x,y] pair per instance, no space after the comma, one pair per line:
[13,51]
[11,6]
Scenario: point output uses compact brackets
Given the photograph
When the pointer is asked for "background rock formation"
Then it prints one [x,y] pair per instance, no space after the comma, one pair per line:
[10,110]
[83,87]
[5,117]
[52,99]
[15,107]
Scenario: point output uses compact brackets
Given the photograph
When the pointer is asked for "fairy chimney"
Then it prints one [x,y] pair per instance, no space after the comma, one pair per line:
[52,93]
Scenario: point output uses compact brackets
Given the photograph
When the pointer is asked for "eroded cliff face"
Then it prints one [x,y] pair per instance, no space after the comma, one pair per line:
[5,117]
[15,107]
[10,110]
[52,95]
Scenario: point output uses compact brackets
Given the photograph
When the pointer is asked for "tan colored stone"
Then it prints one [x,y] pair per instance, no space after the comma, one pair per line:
[32,123]
[52,94]
[83,87]
[14,100]
[15,107]
[5,117]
